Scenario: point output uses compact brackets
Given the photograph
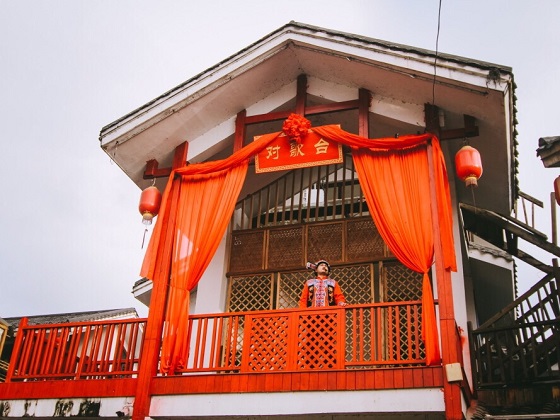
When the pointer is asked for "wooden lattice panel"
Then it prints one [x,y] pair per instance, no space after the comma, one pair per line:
[356,282]
[324,241]
[267,348]
[318,341]
[232,341]
[290,286]
[403,341]
[285,248]
[400,283]
[250,293]
[247,251]
[363,240]
[361,340]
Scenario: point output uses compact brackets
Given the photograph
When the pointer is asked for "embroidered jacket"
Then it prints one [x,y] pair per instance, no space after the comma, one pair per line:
[319,292]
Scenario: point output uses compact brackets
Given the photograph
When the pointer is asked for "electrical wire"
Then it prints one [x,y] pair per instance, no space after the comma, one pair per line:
[436,57]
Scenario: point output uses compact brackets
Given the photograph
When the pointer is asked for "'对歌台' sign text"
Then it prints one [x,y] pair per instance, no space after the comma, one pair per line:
[283,154]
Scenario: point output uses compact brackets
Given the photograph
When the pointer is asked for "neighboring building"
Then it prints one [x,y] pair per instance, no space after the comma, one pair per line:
[235,344]
[105,315]
[549,151]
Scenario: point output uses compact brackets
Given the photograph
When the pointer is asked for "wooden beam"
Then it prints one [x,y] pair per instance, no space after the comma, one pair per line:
[152,170]
[311,110]
[364,101]
[179,159]
[180,156]
[301,94]
[240,124]
[431,115]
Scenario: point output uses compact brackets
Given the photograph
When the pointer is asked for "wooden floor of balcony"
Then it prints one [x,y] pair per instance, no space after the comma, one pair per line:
[347,380]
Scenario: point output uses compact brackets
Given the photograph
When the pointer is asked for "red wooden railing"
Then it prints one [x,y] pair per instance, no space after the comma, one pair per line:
[360,336]
[81,350]
[290,340]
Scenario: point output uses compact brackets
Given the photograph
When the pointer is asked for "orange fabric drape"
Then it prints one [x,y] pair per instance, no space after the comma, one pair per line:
[397,194]
[198,207]
[403,143]
[394,175]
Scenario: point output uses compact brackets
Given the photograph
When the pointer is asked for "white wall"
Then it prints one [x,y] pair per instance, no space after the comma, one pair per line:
[298,403]
[211,293]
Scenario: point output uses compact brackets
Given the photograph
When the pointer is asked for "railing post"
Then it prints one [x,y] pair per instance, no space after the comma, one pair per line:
[553,219]
[451,390]
[151,344]
[16,350]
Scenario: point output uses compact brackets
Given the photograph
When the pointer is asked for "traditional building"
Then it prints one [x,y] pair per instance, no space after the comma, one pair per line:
[315,144]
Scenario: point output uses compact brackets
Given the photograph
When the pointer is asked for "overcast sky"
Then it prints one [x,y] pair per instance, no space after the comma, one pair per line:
[71,234]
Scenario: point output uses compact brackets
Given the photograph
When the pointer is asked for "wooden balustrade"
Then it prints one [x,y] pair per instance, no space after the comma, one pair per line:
[290,340]
[358,336]
[80,350]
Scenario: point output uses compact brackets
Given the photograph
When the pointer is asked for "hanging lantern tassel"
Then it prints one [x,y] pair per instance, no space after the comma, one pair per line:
[468,165]
[150,200]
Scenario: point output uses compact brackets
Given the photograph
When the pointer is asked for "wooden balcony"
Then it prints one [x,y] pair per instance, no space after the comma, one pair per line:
[374,346]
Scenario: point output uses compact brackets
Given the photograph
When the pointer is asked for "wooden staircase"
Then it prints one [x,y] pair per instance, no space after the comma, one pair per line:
[515,355]
[521,344]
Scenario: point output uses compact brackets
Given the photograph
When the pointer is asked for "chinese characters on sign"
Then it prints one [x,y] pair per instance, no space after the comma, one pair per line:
[282,154]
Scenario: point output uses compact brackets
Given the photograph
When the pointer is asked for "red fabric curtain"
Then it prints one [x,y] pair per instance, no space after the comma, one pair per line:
[199,200]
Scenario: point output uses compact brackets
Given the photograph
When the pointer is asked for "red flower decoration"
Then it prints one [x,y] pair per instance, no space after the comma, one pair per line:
[296,127]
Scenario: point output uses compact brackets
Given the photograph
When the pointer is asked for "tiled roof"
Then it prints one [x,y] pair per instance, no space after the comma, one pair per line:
[73,317]
[547,142]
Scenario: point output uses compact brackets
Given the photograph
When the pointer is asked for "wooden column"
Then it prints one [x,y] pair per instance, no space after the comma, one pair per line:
[151,345]
[447,324]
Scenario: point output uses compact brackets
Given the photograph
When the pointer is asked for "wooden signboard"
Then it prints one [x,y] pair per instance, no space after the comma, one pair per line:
[283,154]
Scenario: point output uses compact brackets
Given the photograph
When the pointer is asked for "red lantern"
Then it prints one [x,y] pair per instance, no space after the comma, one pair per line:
[557,190]
[150,200]
[468,165]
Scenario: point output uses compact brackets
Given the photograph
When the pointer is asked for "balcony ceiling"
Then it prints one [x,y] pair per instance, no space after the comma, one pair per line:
[262,78]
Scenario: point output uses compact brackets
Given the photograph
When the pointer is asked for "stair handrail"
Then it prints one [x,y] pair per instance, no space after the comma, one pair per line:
[506,310]
[528,323]
[534,202]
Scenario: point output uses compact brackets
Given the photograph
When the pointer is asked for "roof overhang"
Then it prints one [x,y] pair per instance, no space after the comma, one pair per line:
[262,78]
[549,151]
